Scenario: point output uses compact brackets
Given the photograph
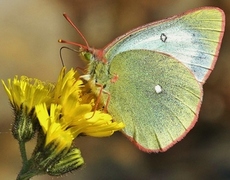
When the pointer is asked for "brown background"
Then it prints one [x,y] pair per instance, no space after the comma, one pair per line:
[29,31]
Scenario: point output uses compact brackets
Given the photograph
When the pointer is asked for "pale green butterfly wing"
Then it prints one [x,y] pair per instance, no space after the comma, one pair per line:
[160,68]
[156,96]
[193,38]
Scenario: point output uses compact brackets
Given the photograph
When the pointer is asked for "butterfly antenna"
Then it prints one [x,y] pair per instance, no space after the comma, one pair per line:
[79,32]
[65,47]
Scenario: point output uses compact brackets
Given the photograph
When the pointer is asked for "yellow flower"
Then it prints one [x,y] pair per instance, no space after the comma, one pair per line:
[24,93]
[66,87]
[77,102]
[70,116]
[59,113]
[96,124]
[54,130]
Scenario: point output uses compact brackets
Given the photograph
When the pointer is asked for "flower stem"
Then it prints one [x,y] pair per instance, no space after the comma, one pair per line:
[22,147]
[27,172]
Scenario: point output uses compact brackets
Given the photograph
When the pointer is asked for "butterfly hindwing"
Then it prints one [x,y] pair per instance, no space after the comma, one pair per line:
[158,100]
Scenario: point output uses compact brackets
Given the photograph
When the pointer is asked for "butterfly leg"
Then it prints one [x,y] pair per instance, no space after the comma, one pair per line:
[102,90]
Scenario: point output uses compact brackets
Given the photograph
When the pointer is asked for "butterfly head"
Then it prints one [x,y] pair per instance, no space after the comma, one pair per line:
[86,52]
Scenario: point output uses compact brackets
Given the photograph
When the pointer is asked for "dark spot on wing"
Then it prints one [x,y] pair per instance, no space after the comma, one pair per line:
[163,37]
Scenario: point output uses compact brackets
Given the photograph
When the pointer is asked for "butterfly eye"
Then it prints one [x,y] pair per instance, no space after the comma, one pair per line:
[87,56]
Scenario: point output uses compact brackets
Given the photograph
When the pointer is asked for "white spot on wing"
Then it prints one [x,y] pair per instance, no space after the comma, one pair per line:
[158,89]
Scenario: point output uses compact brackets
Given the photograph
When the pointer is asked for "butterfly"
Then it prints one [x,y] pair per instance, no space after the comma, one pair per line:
[153,75]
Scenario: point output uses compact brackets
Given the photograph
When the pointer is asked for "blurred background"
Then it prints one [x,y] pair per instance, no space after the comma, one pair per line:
[29,31]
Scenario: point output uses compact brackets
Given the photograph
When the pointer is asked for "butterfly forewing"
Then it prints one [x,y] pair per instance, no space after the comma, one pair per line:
[193,38]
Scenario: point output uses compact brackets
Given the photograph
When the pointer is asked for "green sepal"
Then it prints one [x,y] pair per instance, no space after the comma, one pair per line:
[24,126]
[71,161]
